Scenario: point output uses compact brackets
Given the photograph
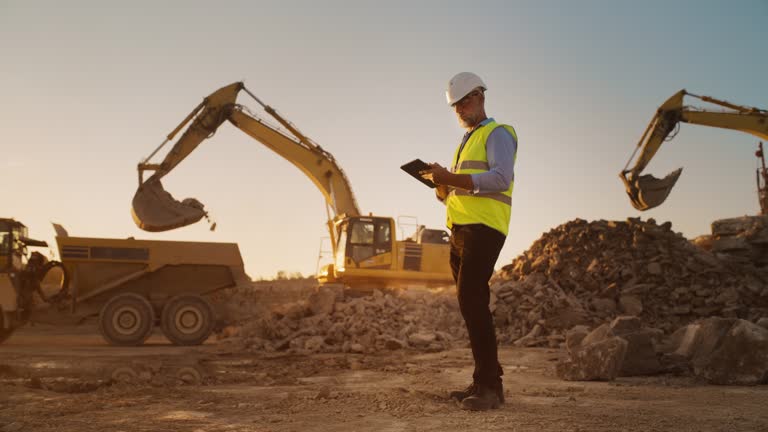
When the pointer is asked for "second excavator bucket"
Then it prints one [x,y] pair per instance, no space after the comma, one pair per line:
[153,209]
[647,191]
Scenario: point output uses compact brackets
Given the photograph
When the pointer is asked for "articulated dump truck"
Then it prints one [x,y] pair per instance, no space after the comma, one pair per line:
[129,285]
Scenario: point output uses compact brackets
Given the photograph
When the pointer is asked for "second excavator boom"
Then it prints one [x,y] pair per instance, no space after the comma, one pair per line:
[646,191]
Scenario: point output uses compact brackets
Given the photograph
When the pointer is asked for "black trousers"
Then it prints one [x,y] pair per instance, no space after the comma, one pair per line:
[474,251]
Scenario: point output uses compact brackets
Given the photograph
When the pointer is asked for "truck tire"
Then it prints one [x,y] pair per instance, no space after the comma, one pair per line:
[126,320]
[187,320]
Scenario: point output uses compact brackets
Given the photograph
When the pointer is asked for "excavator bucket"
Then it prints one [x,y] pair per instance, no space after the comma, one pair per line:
[647,191]
[154,209]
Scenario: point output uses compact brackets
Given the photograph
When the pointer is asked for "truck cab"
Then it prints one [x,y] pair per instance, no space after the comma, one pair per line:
[12,251]
[12,234]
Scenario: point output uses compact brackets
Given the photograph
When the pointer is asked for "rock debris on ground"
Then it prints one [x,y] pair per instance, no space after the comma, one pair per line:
[578,276]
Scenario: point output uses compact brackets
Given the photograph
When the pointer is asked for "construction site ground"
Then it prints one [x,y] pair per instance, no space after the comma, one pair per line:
[68,379]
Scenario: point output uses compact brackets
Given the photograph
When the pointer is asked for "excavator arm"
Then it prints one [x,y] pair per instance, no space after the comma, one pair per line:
[154,209]
[646,191]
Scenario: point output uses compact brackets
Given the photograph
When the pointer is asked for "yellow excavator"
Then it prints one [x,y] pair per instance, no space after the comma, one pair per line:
[646,191]
[366,253]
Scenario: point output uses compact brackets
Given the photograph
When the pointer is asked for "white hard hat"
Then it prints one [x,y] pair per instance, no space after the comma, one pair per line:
[461,84]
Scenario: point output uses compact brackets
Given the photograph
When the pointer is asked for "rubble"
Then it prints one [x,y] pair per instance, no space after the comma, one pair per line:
[724,351]
[591,272]
[597,361]
[576,277]
[598,356]
[331,320]
[744,238]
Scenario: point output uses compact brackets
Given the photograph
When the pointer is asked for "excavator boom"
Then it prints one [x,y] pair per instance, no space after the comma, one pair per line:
[314,162]
[154,209]
[366,251]
[646,191]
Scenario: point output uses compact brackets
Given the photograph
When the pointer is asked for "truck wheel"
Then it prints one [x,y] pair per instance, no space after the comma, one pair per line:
[127,320]
[187,320]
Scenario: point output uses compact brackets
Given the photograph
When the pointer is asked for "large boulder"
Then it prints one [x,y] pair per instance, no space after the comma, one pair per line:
[725,351]
[763,322]
[741,358]
[599,361]
[639,357]
[695,342]
[574,337]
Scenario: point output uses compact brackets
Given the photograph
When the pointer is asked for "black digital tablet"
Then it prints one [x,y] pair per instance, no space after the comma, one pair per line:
[414,168]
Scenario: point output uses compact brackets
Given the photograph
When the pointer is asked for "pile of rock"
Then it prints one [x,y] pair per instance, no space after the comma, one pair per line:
[727,351]
[580,273]
[330,320]
[591,272]
[744,238]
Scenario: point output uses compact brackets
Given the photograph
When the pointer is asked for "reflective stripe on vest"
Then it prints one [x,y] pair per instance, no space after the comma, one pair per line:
[498,196]
[471,164]
[490,209]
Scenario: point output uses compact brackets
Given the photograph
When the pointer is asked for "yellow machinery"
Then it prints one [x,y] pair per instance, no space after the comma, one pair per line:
[646,191]
[17,275]
[762,180]
[130,285]
[366,253]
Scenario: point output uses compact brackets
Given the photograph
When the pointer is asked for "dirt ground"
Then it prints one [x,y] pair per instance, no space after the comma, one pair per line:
[54,379]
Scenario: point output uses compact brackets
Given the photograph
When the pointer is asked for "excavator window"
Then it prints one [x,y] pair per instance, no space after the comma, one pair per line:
[361,240]
[5,243]
[368,238]
[383,237]
[362,233]
[5,238]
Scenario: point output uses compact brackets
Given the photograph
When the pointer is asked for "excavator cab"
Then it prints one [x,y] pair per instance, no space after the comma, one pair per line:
[365,242]
[368,255]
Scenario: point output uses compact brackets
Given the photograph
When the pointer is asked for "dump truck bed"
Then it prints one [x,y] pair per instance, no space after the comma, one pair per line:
[100,268]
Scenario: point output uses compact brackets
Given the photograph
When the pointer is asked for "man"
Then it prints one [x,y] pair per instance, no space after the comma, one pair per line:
[477,192]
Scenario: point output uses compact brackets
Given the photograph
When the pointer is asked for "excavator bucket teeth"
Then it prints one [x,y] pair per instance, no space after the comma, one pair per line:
[647,191]
[153,209]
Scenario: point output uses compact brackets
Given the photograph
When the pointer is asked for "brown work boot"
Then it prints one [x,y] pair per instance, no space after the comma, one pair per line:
[460,395]
[484,399]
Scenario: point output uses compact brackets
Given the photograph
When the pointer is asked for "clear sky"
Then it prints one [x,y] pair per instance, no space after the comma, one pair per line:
[89,88]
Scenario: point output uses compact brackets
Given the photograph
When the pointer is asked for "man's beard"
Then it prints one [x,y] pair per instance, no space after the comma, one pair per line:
[467,122]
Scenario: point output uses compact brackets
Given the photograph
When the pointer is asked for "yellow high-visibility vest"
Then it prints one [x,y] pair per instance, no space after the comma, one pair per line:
[490,209]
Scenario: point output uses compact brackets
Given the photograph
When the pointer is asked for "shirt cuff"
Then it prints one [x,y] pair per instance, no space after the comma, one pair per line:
[475,183]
